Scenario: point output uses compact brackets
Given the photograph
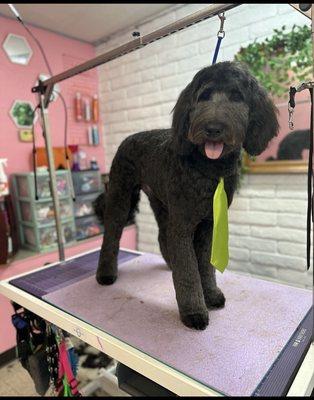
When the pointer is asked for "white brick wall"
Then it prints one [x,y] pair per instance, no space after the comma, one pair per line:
[138,91]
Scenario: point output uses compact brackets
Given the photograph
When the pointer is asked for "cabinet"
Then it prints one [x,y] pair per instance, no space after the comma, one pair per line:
[87,187]
[36,222]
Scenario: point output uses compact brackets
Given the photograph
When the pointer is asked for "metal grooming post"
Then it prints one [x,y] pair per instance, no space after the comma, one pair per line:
[45,88]
[52,175]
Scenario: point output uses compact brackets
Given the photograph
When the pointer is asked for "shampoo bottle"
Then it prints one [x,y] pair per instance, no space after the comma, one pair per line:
[78,107]
[90,135]
[95,108]
[95,135]
[87,110]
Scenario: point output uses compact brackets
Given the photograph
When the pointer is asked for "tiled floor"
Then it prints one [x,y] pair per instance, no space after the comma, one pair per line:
[15,381]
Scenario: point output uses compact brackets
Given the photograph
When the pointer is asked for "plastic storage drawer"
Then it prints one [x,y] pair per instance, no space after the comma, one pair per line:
[83,204]
[45,237]
[25,186]
[86,182]
[87,227]
[43,212]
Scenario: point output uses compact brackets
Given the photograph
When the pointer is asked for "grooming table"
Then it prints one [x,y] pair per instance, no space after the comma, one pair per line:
[259,344]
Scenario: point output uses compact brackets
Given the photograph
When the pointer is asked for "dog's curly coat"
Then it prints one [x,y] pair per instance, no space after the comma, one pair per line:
[221,110]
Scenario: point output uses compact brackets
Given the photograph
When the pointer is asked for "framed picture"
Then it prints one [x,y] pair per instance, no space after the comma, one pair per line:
[22,113]
[26,135]
[289,151]
[281,61]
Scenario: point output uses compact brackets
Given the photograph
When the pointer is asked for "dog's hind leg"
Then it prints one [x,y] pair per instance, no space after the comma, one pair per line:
[121,200]
[162,217]
[202,245]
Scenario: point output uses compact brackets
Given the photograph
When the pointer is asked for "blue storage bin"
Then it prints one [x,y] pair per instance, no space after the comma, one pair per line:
[44,238]
[87,227]
[25,185]
[88,181]
[42,212]
[83,205]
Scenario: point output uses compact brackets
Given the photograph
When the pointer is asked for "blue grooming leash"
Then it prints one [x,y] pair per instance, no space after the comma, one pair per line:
[220,36]
[217,49]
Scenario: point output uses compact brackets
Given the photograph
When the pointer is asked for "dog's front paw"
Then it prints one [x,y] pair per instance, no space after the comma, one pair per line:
[106,279]
[197,321]
[215,298]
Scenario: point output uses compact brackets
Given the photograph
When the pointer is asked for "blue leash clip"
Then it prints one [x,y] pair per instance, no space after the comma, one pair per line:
[220,36]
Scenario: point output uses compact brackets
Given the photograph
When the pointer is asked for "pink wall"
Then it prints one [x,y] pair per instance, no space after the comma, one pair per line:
[16,82]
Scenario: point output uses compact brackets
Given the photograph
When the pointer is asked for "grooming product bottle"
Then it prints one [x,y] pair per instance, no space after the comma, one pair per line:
[87,110]
[95,108]
[78,107]
[95,135]
[75,165]
[93,164]
[90,135]
[82,160]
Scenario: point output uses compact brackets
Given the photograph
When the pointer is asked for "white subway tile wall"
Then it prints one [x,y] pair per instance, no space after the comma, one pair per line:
[138,91]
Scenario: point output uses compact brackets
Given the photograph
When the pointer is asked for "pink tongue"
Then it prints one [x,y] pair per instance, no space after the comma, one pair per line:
[213,150]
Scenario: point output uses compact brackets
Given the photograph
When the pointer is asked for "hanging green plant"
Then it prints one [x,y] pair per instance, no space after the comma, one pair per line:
[281,60]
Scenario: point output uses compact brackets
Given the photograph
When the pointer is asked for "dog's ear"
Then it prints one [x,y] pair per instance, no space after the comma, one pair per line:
[263,122]
[181,120]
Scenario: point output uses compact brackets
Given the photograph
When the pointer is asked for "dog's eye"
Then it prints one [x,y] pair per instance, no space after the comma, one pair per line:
[205,95]
[235,95]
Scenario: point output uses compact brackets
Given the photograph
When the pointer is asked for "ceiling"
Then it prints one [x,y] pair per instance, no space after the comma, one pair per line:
[91,23]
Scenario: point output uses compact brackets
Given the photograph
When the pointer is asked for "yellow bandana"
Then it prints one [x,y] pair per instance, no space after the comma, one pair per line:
[220,252]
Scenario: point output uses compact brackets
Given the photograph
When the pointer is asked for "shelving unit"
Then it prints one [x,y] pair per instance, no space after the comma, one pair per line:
[87,187]
[36,217]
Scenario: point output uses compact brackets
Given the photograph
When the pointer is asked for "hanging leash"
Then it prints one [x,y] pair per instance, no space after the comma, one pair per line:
[310,181]
[67,366]
[220,237]
[220,35]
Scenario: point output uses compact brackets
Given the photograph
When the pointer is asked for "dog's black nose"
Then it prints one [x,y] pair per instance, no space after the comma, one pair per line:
[214,130]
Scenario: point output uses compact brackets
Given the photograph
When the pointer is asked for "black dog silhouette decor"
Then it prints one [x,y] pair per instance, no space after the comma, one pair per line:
[292,145]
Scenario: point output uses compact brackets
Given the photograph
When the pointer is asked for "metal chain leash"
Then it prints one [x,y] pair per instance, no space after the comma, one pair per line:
[291,103]
[310,208]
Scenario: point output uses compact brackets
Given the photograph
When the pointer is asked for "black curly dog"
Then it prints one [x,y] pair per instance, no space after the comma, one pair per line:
[221,110]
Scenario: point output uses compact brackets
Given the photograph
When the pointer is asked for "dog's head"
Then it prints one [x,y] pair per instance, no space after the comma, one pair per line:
[221,110]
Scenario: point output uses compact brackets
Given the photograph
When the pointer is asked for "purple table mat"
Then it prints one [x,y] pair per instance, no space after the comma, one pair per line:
[235,351]
[68,272]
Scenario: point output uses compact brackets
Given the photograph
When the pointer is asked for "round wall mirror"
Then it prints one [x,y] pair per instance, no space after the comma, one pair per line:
[17,49]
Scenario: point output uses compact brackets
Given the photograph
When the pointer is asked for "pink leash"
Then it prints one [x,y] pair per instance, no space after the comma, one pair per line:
[66,369]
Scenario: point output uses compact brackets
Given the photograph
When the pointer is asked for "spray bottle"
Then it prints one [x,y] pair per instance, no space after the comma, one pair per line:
[4,185]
